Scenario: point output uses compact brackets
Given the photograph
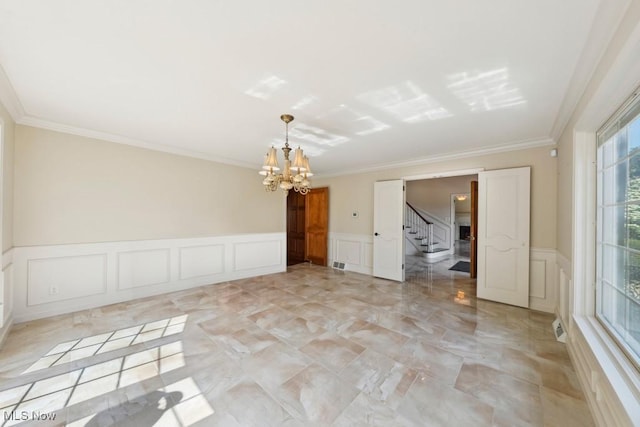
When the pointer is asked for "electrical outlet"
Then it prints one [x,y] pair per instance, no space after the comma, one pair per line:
[53,290]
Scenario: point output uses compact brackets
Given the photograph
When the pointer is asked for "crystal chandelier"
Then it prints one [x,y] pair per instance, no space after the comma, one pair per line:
[295,175]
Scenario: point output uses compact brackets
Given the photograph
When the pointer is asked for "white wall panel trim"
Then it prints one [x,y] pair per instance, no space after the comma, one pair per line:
[65,277]
[563,278]
[543,279]
[355,250]
[4,331]
[200,261]
[7,258]
[611,385]
[147,267]
[6,295]
[133,269]
[256,255]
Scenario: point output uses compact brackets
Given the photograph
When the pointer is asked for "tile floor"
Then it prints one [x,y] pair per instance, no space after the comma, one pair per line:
[313,346]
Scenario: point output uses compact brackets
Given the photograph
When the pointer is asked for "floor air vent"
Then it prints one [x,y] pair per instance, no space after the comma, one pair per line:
[558,331]
[338,265]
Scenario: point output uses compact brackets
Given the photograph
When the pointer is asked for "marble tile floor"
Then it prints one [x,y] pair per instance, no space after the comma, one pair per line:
[312,346]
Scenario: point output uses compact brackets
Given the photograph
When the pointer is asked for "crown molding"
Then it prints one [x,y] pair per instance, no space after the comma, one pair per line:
[11,102]
[606,22]
[9,98]
[119,139]
[514,146]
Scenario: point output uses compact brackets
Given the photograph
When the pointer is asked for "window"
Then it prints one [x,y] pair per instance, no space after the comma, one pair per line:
[618,228]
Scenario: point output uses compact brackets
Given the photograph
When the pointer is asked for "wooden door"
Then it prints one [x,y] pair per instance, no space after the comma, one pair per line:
[473,254]
[503,235]
[388,228]
[295,228]
[317,225]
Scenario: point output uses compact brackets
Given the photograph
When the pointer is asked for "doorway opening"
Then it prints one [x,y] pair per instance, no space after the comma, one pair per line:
[295,228]
[308,227]
[441,223]
[461,216]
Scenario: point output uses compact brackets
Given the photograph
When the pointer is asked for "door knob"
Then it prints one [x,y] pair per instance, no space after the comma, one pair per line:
[376,234]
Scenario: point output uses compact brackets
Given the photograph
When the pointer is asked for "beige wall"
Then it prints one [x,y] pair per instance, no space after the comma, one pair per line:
[579,122]
[434,195]
[7,178]
[350,193]
[72,189]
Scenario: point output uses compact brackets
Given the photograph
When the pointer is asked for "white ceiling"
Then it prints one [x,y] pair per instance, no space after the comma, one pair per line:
[369,81]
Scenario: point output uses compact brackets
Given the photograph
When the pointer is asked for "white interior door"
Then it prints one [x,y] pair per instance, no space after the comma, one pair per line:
[388,224]
[503,236]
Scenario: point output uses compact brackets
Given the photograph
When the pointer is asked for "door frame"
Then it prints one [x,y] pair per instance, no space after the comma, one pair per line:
[473,252]
[446,174]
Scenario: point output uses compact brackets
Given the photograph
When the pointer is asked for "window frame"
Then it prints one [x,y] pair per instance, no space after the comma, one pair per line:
[609,158]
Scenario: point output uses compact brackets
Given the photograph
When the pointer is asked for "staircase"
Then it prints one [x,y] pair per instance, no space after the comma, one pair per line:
[419,233]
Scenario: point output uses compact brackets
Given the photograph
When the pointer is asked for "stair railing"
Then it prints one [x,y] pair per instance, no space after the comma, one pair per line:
[420,227]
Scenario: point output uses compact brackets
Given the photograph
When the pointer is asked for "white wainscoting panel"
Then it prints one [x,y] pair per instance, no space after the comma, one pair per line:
[564,291]
[198,261]
[355,250]
[143,268]
[367,259]
[6,295]
[349,251]
[542,280]
[57,279]
[538,274]
[610,383]
[252,255]
[62,278]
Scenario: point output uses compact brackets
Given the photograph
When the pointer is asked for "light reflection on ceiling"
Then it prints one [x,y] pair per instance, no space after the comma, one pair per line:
[316,135]
[346,117]
[485,91]
[266,87]
[406,102]
[304,102]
